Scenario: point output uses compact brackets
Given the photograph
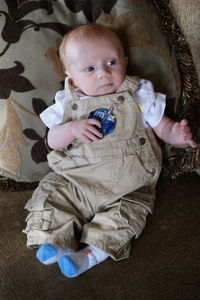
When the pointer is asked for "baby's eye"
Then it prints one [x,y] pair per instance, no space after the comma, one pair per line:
[89,69]
[111,62]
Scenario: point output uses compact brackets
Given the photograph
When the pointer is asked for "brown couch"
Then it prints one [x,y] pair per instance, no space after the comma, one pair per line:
[164,262]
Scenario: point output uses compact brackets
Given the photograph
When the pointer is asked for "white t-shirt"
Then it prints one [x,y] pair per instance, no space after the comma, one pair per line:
[151,106]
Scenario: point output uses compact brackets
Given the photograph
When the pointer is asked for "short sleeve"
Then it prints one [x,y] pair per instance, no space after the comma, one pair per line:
[151,104]
[53,115]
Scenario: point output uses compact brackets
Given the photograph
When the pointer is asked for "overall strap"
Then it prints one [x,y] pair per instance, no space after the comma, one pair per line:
[70,91]
[129,84]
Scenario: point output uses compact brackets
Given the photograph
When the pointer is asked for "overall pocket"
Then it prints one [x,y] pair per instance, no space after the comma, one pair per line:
[47,186]
[133,174]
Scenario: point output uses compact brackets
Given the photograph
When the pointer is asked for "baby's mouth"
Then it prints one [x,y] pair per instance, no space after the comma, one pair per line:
[106,85]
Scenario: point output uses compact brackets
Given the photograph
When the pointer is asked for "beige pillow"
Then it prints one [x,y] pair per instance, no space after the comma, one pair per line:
[30,74]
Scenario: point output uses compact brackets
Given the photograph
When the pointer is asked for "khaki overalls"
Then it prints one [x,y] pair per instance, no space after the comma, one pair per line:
[98,193]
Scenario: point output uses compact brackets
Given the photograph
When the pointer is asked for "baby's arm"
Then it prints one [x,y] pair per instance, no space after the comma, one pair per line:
[174,133]
[60,136]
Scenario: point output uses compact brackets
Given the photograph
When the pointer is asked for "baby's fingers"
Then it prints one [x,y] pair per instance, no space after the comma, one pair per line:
[94,122]
[186,130]
[93,131]
[87,137]
[93,134]
[184,122]
[191,143]
[188,138]
[188,133]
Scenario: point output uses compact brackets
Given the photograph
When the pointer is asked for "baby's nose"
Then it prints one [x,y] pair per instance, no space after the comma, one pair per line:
[103,71]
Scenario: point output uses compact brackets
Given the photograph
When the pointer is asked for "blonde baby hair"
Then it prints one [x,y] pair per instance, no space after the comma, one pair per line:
[84,32]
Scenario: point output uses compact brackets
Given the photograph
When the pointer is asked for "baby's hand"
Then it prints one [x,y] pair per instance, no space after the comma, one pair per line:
[182,134]
[85,130]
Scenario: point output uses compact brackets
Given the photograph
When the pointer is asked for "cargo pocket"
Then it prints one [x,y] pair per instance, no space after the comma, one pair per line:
[135,214]
[38,220]
[47,186]
[40,211]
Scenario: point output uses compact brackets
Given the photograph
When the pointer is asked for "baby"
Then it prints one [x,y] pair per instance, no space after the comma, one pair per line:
[105,160]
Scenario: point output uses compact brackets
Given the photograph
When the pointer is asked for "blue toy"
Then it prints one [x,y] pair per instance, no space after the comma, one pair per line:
[106,117]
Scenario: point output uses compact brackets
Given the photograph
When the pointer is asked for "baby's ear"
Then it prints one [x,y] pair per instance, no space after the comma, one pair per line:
[126,61]
[66,73]
[71,81]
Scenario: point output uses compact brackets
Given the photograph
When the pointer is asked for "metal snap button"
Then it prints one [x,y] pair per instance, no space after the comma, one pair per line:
[74,106]
[142,141]
[69,147]
[121,99]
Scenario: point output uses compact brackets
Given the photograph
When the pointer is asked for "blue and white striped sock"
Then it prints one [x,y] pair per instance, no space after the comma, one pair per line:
[50,254]
[74,264]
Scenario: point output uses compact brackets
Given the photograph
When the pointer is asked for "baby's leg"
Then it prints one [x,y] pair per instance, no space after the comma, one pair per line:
[110,230]
[113,228]
[53,219]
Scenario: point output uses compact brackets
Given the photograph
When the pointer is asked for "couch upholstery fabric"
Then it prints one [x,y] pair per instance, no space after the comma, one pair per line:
[164,262]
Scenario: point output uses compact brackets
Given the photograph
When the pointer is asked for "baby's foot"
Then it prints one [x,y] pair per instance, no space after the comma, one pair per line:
[49,253]
[74,264]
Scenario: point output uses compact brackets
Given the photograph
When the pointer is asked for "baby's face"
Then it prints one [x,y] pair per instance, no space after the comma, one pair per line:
[96,66]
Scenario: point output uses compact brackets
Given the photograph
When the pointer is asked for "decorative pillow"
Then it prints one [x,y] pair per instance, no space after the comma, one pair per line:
[31,72]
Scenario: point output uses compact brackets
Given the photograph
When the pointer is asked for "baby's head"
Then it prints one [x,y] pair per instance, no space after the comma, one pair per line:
[93,58]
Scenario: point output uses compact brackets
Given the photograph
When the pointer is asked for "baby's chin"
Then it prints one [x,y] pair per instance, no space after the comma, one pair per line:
[102,91]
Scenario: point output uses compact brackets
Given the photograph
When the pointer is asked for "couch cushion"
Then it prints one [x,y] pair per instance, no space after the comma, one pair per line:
[164,261]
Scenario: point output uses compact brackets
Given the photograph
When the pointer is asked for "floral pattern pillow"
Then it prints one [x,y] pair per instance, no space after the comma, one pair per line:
[31,72]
